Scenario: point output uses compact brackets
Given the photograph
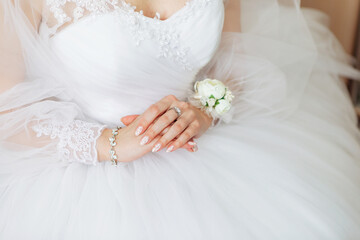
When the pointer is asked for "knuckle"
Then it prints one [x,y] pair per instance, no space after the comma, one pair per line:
[184,105]
[162,141]
[165,119]
[177,144]
[191,114]
[196,124]
[143,122]
[178,127]
[150,133]
[165,140]
[186,135]
[171,97]
[154,109]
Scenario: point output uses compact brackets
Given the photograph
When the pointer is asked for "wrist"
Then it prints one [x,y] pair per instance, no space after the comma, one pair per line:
[103,146]
[208,118]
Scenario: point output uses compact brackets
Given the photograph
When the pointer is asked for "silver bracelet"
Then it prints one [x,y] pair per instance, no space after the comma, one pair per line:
[113,156]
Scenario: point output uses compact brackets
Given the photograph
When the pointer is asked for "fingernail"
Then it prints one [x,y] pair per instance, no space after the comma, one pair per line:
[195,148]
[138,131]
[192,143]
[144,140]
[156,148]
[170,149]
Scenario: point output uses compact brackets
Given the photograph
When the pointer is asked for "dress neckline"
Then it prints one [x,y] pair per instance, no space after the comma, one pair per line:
[132,8]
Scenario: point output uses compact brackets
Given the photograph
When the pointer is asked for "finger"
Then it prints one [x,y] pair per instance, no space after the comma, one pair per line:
[151,145]
[183,138]
[177,128]
[159,125]
[153,112]
[190,146]
[127,120]
[165,130]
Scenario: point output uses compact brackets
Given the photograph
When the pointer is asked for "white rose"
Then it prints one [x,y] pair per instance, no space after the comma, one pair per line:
[223,107]
[229,96]
[211,102]
[210,87]
[203,100]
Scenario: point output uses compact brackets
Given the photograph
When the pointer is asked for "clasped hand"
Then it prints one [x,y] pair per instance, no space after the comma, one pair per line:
[160,127]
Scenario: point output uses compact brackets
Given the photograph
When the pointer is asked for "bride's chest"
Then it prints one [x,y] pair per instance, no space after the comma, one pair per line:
[115,33]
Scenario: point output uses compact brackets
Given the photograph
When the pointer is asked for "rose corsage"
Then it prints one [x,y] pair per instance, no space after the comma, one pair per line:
[213,97]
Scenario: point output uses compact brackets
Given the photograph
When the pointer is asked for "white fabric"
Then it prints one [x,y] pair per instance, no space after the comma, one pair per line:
[77,139]
[285,167]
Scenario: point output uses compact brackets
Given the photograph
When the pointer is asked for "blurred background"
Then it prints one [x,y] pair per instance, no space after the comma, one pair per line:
[345,23]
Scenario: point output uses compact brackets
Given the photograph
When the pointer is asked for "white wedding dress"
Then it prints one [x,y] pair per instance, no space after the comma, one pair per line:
[285,164]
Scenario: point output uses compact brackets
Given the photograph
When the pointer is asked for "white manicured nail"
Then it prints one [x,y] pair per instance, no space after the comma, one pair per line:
[195,148]
[192,143]
[138,131]
[156,148]
[144,140]
[170,149]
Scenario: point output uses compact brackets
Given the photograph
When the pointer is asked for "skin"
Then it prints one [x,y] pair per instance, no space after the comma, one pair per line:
[160,126]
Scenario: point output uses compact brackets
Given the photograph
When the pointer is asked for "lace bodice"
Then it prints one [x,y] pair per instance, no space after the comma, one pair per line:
[62,13]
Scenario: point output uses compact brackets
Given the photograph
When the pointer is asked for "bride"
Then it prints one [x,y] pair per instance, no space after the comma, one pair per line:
[198,119]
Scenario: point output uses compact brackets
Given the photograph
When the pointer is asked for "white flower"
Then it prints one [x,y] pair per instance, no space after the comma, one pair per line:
[210,87]
[203,100]
[229,96]
[211,102]
[223,107]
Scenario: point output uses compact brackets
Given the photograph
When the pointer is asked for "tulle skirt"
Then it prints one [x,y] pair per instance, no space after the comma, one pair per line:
[261,178]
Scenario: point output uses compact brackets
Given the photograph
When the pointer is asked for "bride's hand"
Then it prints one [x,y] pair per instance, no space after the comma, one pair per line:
[192,123]
[189,146]
[127,144]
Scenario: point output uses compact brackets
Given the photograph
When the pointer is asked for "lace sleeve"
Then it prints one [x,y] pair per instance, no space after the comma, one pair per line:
[76,140]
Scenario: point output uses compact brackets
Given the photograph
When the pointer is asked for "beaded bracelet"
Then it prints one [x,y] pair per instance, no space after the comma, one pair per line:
[113,156]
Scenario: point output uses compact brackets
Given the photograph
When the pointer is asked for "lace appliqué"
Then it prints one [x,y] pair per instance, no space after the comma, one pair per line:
[141,27]
[77,139]
[166,35]
[92,6]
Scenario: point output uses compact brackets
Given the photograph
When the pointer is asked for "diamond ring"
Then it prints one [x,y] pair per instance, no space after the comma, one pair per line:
[177,110]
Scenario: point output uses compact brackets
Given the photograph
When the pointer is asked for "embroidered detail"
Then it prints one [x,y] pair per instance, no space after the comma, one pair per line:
[141,27]
[168,38]
[77,139]
[92,6]
[145,28]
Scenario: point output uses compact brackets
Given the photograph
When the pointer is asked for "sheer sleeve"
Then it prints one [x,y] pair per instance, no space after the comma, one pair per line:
[37,118]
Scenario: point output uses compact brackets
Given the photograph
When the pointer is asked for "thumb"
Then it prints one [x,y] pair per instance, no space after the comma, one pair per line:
[127,120]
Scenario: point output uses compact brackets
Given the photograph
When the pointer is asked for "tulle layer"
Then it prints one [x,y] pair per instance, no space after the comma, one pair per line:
[295,179]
